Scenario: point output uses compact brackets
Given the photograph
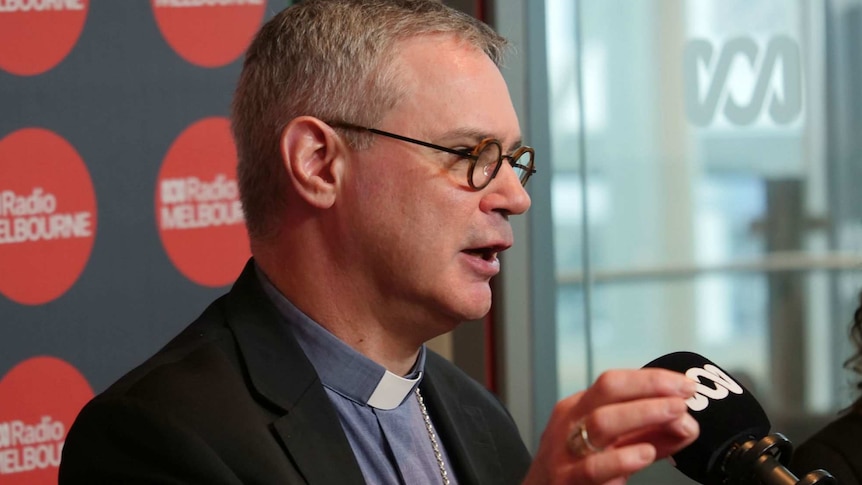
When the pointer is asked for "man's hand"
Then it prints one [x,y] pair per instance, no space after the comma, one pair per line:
[625,421]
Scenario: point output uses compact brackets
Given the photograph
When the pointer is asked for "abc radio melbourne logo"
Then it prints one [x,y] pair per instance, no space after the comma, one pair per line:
[31,446]
[198,211]
[48,395]
[47,216]
[35,35]
[742,80]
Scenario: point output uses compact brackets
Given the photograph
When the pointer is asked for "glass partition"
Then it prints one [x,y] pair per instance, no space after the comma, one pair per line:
[705,159]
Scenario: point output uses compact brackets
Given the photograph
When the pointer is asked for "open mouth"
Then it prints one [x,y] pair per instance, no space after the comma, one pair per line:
[488,253]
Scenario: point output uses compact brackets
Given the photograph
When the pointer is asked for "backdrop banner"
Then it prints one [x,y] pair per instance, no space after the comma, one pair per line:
[119,214]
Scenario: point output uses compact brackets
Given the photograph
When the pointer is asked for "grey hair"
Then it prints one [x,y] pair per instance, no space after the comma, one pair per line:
[327,59]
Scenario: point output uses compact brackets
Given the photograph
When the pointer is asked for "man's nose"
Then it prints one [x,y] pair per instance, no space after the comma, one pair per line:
[506,193]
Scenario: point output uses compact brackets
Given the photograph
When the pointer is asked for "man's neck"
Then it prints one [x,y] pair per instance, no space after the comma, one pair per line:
[357,325]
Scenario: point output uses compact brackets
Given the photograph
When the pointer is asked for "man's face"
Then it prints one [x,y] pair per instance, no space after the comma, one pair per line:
[430,243]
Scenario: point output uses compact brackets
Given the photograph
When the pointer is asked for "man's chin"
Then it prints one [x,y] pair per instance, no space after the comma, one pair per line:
[463,302]
[475,309]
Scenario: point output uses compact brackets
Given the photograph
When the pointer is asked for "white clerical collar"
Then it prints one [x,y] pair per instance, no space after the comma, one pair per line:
[391,391]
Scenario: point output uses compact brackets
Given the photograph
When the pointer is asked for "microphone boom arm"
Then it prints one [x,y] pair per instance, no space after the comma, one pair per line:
[763,462]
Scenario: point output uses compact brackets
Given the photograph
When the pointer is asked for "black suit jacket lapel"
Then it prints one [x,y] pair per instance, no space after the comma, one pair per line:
[464,431]
[281,375]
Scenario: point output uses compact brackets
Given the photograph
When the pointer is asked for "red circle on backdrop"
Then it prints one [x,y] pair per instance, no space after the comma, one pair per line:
[197,205]
[35,35]
[46,395]
[208,33]
[47,216]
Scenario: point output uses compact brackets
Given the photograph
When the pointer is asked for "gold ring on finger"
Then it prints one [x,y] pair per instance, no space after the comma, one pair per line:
[579,441]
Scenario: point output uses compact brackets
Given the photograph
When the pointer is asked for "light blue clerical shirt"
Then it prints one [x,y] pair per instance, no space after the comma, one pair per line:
[379,410]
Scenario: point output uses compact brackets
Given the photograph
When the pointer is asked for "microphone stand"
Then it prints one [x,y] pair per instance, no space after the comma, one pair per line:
[763,463]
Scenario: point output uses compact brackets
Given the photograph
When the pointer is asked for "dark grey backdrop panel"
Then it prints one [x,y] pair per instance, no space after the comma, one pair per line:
[121,97]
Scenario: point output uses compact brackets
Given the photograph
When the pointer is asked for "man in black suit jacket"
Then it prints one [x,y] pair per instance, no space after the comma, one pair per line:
[380,159]
[220,405]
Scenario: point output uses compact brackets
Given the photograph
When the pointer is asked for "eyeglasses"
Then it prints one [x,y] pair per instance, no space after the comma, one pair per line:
[486,158]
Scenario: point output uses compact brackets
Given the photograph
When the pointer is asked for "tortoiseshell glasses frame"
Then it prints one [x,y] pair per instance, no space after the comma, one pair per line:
[486,158]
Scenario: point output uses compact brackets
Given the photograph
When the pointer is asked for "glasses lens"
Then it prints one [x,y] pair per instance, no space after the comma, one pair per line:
[487,163]
[522,162]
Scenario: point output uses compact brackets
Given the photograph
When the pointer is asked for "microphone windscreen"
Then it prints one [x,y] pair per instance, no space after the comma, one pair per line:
[727,413]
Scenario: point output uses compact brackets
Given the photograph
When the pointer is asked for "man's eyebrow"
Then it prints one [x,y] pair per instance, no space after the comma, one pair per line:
[478,136]
[514,146]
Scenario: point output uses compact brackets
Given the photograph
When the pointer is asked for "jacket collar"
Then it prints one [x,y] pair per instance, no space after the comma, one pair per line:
[465,432]
[309,428]
[281,375]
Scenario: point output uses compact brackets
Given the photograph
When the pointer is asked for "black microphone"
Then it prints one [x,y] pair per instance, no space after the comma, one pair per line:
[734,446]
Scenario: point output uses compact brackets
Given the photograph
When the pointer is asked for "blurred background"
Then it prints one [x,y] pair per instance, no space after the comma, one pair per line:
[701,190]
[698,163]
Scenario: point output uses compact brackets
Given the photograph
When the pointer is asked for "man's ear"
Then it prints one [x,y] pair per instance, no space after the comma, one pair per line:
[312,155]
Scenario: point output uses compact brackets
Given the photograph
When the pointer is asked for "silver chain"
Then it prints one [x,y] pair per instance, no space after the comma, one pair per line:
[430,428]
